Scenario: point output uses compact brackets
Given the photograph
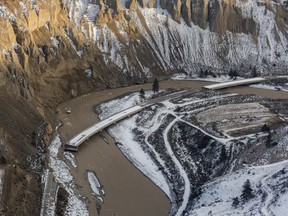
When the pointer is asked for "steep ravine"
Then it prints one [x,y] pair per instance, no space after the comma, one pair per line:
[54,50]
[83,45]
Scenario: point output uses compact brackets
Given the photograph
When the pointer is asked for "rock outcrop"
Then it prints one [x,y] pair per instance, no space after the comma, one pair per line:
[124,41]
[52,48]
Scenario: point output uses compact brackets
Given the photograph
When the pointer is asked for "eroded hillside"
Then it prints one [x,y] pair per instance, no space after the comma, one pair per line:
[201,147]
[62,45]
[52,50]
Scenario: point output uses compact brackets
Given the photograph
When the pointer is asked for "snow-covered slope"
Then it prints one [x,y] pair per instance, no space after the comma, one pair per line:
[269,189]
[200,164]
[177,43]
[121,42]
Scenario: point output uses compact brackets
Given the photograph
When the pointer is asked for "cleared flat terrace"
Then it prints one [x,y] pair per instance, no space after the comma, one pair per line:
[234,83]
[77,140]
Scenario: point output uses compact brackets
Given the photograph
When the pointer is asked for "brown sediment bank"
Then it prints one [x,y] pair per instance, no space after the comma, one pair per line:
[83,105]
[128,192]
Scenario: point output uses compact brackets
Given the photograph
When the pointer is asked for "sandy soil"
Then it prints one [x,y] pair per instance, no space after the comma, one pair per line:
[128,192]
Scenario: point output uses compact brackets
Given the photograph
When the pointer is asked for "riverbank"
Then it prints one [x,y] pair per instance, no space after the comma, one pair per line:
[114,171]
[128,191]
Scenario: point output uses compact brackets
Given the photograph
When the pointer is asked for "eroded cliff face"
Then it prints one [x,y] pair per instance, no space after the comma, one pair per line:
[52,50]
[62,45]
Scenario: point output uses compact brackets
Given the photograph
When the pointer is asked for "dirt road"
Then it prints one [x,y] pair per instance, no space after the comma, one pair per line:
[128,191]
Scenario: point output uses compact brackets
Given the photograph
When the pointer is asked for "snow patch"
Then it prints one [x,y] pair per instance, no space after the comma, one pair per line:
[71,158]
[216,197]
[55,41]
[95,186]
[76,206]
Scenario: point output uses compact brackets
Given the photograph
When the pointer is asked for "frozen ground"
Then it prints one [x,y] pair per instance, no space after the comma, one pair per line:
[176,145]
[114,106]
[76,205]
[268,187]
[136,154]
[97,189]
[221,78]
[227,78]
[71,158]
[269,87]
[232,118]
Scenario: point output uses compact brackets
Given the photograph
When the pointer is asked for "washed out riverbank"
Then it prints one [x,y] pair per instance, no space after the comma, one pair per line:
[128,192]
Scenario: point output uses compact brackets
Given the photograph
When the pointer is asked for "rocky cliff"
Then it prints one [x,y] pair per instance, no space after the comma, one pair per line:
[84,44]
[52,50]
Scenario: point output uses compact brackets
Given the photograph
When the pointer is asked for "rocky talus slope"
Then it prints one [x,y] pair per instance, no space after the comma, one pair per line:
[52,50]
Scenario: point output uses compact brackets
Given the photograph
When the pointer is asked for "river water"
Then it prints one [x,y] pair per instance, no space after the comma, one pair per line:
[127,190]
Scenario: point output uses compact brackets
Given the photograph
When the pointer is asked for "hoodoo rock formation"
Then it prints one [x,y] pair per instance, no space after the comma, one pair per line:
[52,48]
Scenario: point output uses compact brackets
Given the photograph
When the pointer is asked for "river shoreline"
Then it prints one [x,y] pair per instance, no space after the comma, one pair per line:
[115,172]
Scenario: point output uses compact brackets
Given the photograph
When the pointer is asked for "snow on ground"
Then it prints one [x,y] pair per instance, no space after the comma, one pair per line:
[79,52]
[222,78]
[123,134]
[6,14]
[55,41]
[114,106]
[95,186]
[280,207]
[177,45]
[71,158]
[235,117]
[269,87]
[76,206]
[187,189]
[23,9]
[216,197]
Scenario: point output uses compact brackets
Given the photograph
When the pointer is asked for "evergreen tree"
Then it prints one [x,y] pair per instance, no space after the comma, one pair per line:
[254,72]
[235,202]
[223,154]
[233,74]
[155,86]
[142,93]
[265,128]
[201,75]
[34,138]
[268,142]
[247,191]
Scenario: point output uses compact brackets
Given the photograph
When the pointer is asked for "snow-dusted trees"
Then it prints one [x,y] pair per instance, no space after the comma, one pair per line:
[155,86]
[254,72]
[142,94]
[223,154]
[247,191]
[247,194]
[233,74]
[235,202]
[265,128]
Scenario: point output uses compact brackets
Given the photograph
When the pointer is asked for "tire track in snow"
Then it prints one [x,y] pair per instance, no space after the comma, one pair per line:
[265,206]
[187,189]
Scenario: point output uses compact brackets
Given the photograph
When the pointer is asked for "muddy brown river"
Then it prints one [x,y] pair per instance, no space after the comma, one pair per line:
[128,191]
